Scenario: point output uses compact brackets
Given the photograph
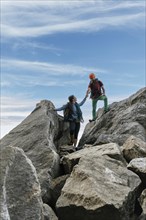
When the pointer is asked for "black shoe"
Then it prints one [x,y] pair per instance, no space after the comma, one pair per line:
[91,120]
[78,148]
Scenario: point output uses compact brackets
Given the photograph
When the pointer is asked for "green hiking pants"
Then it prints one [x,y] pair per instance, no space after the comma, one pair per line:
[94,105]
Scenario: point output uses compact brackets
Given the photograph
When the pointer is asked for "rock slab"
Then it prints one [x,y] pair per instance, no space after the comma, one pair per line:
[20,193]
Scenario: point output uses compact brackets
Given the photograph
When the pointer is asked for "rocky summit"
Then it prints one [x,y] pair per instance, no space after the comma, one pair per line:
[43,178]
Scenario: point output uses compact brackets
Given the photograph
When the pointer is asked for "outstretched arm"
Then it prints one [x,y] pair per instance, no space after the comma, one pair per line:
[61,108]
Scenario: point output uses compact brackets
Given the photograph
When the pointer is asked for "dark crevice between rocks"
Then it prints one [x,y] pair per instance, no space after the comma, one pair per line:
[80,213]
[138,209]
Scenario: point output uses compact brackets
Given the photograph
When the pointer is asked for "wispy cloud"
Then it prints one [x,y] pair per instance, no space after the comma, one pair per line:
[14,110]
[34,19]
[19,102]
[35,45]
[38,80]
[42,73]
[33,73]
[48,68]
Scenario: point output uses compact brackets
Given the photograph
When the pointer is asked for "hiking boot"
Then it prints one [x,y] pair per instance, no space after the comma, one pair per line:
[91,120]
[78,148]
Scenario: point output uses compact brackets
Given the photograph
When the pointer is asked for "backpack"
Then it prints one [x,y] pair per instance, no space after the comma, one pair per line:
[96,88]
[67,112]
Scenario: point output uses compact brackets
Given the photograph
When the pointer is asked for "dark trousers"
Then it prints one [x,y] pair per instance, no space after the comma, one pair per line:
[74,128]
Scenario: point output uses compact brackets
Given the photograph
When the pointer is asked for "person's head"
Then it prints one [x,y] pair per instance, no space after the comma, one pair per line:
[72,98]
[92,76]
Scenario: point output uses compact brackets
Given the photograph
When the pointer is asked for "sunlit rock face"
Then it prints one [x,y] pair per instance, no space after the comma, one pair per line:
[125,118]
[20,192]
[134,148]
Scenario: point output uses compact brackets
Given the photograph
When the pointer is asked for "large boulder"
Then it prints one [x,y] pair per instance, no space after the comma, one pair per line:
[98,188]
[36,136]
[134,148]
[20,192]
[48,213]
[125,118]
[138,166]
[111,149]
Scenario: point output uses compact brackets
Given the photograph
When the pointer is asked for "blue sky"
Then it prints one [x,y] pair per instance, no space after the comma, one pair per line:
[48,49]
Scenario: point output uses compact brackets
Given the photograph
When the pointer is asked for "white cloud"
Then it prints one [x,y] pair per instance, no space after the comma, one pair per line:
[34,18]
[16,104]
[87,25]
[34,73]
[13,111]
[22,44]
[42,73]
[38,80]
[50,68]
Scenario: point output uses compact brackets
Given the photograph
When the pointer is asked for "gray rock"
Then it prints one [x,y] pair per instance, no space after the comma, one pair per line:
[143,201]
[35,135]
[56,187]
[20,193]
[98,188]
[63,134]
[142,217]
[125,118]
[134,148]
[138,166]
[143,205]
[111,149]
[66,150]
[48,213]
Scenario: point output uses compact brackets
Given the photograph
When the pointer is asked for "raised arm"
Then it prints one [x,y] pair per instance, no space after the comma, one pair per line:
[83,101]
[88,91]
